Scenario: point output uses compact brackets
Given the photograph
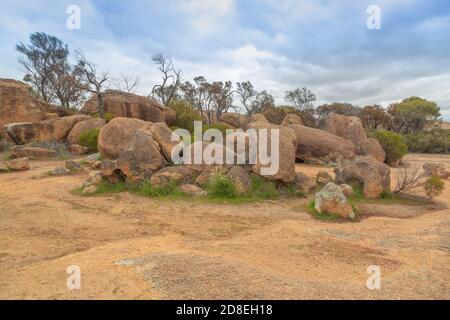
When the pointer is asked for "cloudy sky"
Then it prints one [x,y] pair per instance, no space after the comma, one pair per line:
[276,44]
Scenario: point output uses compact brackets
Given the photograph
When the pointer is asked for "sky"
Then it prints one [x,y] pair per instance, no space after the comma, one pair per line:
[278,45]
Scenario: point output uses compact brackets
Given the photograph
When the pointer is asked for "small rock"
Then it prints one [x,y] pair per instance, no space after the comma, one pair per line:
[90,159]
[20,164]
[193,190]
[332,200]
[72,165]
[96,165]
[347,189]
[95,177]
[304,183]
[59,171]
[78,149]
[3,168]
[435,169]
[32,152]
[324,177]
[89,190]
[241,179]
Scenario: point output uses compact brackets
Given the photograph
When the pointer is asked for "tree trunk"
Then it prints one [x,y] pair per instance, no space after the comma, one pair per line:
[100,105]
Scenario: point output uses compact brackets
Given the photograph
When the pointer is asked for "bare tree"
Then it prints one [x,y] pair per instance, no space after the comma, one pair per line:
[407,179]
[126,83]
[301,99]
[42,57]
[247,94]
[94,82]
[171,79]
[262,102]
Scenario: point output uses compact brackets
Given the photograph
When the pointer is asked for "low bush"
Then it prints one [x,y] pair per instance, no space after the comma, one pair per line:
[392,143]
[263,188]
[436,140]
[107,116]
[186,115]
[89,139]
[433,187]
[221,187]
[147,190]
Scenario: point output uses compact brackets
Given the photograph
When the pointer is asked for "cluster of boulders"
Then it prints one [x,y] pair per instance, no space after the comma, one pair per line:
[136,145]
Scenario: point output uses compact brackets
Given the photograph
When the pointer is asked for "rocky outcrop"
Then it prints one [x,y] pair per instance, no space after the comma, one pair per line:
[129,105]
[318,146]
[351,128]
[332,200]
[17,104]
[32,152]
[56,129]
[373,175]
[116,135]
[83,126]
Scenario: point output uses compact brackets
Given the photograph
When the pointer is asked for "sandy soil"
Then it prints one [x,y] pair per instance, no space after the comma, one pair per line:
[130,247]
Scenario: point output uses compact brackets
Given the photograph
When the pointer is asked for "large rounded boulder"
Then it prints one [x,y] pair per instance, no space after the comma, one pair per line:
[17,104]
[83,126]
[373,175]
[351,128]
[56,129]
[142,157]
[117,134]
[281,145]
[129,105]
[320,146]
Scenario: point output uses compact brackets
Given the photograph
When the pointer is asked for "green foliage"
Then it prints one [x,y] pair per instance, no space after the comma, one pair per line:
[222,127]
[108,116]
[433,187]
[147,190]
[412,114]
[186,115]
[436,140]
[89,139]
[221,187]
[392,143]
[105,187]
[263,188]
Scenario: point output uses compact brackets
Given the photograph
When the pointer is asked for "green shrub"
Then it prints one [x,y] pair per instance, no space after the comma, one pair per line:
[89,139]
[186,115]
[433,187]
[221,187]
[392,143]
[436,140]
[222,127]
[108,116]
[147,190]
[263,188]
